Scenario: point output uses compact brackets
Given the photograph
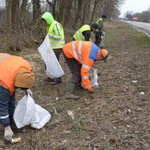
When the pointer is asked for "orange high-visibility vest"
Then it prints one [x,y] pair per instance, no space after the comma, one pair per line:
[9,67]
[80,50]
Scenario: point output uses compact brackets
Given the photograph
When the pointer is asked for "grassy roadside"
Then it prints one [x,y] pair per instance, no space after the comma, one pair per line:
[115,117]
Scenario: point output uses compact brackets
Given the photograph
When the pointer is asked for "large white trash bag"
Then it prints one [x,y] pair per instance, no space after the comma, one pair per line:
[42,117]
[53,68]
[25,111]
[94,78]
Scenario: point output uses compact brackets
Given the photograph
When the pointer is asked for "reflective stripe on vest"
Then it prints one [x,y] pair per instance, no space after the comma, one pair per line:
[56,43]
[85,77]
[74,50]
[86,67]
[78,35]
[3,117]
[79,51]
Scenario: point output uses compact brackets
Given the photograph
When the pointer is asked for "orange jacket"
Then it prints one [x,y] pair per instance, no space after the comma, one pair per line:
[86,53]
[9,67]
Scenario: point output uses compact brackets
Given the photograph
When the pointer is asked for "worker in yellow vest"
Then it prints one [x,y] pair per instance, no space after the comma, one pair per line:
[100,35]
[57,39]
[80,56]
[15,72]
[84,33]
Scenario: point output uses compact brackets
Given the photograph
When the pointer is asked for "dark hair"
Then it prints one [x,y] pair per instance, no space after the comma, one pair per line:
[104,16]
[94,25]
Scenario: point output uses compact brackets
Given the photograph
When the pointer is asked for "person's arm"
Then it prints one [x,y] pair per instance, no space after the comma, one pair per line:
[85,71]
[4,114]
[87,35]
[57,32]
[4,100]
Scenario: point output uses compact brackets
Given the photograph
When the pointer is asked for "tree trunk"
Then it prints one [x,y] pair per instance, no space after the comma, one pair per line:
[9,22]
[36,10]
[23,15]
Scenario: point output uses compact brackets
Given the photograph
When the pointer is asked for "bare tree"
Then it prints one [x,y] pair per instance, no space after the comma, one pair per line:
[22,14]
[36,10]
[13,8]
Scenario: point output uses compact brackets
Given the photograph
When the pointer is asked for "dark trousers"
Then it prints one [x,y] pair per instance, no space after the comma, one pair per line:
[75,69]
[58,52]
[98,38]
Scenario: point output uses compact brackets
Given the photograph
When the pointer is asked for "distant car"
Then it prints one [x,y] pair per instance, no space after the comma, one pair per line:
[135,18]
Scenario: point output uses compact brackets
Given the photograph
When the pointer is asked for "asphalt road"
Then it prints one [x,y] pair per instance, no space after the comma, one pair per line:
[141,26]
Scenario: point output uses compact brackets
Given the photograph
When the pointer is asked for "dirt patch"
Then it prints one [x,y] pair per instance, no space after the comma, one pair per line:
[115,117]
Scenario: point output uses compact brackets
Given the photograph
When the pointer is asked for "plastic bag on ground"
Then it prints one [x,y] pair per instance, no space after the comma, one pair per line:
[42,117]
[53,67]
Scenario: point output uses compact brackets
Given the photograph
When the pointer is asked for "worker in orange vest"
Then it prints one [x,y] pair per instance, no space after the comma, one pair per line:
[15,72]
[80,57]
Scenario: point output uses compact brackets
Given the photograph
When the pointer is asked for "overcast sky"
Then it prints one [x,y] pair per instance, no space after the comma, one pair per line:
[134,5]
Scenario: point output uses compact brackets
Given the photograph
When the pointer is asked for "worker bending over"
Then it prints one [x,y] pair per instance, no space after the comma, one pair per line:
[84,33]
[15,72]
[80,57]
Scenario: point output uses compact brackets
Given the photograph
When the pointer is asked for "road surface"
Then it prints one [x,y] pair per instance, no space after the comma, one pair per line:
[141,26]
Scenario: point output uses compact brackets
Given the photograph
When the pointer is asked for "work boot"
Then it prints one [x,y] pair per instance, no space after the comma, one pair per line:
[48,80]
[79,86]
[56,81]
[70,87]
[71,96]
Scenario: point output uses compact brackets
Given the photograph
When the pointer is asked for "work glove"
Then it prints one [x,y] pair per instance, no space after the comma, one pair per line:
[8,133]
[50,35]
[91,90]
[29,92]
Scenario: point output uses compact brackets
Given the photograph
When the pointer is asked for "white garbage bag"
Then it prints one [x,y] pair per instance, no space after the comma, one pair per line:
[42,117]
[53,67]
[94,78]
[27,112]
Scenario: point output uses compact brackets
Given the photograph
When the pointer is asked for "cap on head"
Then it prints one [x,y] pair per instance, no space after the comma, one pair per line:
[24,79]
[104,53]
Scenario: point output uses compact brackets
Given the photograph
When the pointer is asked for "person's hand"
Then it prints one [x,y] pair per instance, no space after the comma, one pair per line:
[8,133]
[29,92]
[91,90]
[50,35]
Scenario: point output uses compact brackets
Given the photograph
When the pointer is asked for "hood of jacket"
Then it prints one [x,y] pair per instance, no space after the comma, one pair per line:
[48,18]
